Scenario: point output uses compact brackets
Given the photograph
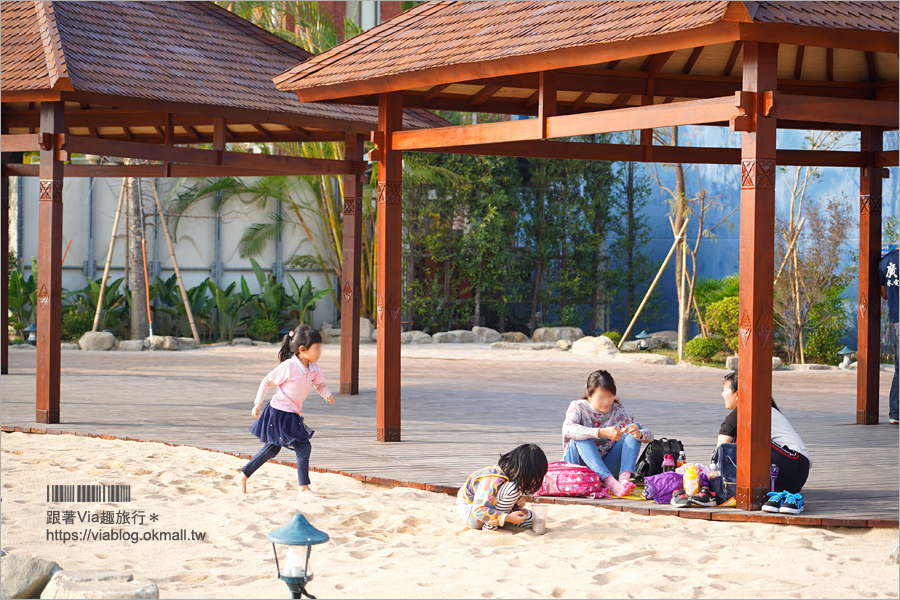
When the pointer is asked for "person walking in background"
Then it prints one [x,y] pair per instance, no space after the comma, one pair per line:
[888,277]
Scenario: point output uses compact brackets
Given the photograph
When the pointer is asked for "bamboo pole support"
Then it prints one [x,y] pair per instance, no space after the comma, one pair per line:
[790,250]
[187,304]
[109,253]
[653,284]
[682,305]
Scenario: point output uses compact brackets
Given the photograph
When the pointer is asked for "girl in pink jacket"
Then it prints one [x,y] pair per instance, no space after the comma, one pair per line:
[280,423]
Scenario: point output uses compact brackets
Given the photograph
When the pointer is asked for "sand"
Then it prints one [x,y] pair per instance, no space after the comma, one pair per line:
[402,543]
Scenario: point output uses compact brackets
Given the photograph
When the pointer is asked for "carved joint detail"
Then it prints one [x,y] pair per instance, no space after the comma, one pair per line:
[758,174]
[763,329]
[50,190]
[863,305]
[390,192]
[870,204]
[393,307]
[352,206]
[746,328]
[381,308]
[347,291]
[43,298]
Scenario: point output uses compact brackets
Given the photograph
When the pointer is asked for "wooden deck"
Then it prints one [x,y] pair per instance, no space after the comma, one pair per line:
[462,406]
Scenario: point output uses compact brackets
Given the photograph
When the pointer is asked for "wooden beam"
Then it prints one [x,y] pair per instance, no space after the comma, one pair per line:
[485,94]
[732,58]
[838,110]
[351,264]
[292,164]
[798,62]
[829,64]
[870,66]
[887,158]
[157,170]
[48,312]
[434,91]
[822,37]
[757,249]
[389,268]
[579,102]
[868,346]
[546,99]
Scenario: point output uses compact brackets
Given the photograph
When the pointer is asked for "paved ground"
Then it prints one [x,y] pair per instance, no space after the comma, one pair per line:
[463,405]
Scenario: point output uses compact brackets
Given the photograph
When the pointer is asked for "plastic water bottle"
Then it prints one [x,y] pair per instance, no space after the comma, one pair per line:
[668,464]
[681,458]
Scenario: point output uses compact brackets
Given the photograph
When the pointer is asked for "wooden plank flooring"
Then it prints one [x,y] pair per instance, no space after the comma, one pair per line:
[463,405]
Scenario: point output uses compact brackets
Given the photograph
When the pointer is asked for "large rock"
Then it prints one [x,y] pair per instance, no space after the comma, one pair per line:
[24,576]
[669,336]
[97,340]
[330,335]
[646,358]
[457,336]
[419,337]
[241,341]
[630,346]
[516,337]
[657,343]
[405,338]
[99,584]
[187,343]
[564,344]
[515,346]
[130,346]
[486,335]
[594,345]
[365,328]
[69,347]
[731,363]
[554,334]
[167,342]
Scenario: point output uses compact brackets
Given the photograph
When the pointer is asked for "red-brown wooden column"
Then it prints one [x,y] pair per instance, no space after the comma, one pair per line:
[351,266]
[869,324]
[4,253]
[756,278]
[49,280]
[390,119]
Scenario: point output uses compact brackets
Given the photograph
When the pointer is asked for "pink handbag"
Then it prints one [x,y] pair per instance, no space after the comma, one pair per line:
[567,479]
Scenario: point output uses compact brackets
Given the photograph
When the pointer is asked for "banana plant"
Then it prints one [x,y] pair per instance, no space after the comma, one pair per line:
[304,300]
[165,317]
[202,305]
[22,300]
[272,302]
[115,312]
[229,309]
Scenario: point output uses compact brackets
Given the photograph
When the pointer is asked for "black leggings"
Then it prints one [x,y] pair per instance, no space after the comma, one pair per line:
[793,469]
[270,450]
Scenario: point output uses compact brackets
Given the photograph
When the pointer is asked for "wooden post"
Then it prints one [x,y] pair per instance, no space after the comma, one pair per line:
[351,265]
[390,115]
[49,280]
[757,266]
[869,325]
[4,198]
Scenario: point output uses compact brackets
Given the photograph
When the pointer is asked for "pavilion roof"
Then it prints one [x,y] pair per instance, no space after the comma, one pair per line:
[439,43]
[186,52]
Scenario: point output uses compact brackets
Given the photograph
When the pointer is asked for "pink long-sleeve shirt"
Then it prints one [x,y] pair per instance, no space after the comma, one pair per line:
[292,381]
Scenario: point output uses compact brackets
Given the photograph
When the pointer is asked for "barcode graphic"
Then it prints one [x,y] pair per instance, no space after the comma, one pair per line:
[89,493]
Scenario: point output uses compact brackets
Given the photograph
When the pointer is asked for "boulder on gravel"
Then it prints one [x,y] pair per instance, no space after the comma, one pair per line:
[65,346]
[731,363]
[99,584]
[365,328]
[240,341]
[457,336]
[516,337]
[130,346]
[419,337]
[25,576]
[554,334]
[594,345]
[646,358]
[486,335]
[187,343]
[97,340]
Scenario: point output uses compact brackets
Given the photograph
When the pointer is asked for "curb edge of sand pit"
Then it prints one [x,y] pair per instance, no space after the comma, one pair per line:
[619,505]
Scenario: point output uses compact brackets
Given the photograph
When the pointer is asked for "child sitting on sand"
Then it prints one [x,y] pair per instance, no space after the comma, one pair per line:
[487,499]
[599,433]
[280,423]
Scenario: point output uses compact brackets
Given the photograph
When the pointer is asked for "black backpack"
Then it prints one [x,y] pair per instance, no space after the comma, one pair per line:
[650,461]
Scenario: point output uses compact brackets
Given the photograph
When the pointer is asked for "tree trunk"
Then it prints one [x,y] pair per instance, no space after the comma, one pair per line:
[684,315]
[140,327]
[632,304]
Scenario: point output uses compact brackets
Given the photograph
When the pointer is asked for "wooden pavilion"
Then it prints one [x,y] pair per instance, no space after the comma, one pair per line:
[148,80]
[587,68]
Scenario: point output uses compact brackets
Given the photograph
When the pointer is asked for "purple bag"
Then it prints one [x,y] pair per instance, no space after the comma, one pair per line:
[664,485]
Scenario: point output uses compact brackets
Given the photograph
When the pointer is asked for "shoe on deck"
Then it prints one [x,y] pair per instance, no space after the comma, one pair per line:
[704,497]
[895,422]
[681,499]
[773,505]
[793,504]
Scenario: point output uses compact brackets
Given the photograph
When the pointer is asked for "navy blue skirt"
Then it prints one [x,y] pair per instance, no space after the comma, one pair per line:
[280,427]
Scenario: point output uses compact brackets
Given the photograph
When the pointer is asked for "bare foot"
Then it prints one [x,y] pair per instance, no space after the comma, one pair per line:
[241,480]
[305,491]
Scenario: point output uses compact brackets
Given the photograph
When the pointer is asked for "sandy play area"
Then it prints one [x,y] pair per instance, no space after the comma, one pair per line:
[403,543]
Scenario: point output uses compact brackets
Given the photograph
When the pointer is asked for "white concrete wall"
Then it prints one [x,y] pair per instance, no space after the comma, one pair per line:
[194,247]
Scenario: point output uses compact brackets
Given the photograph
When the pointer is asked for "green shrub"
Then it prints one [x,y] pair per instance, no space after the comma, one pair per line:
[722,317]
[822,346]
[615,336]
[263,330]
[703,348]
[78,319]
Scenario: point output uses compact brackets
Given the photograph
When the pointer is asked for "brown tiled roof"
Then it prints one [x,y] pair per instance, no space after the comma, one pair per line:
[441,34]
[193,52]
